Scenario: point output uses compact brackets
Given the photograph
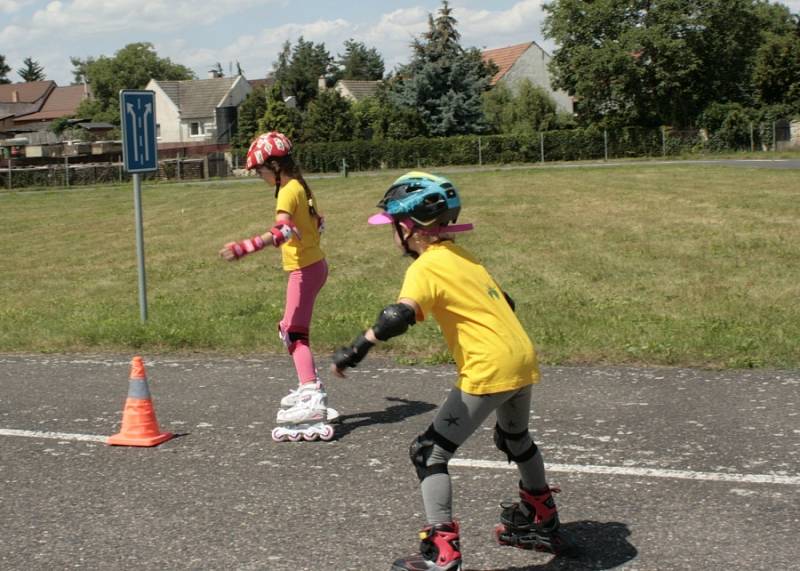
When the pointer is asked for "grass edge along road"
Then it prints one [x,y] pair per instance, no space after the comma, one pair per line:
[691,265]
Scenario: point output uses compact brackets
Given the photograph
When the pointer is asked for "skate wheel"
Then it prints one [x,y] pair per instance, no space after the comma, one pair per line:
[277,435]
[327,433]
[310,436]
[295,437]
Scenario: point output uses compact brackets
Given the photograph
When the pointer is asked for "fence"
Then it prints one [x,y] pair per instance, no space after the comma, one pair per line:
[576,144]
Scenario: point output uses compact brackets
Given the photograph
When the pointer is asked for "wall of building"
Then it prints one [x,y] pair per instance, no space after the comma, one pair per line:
[167,118]
[532,65]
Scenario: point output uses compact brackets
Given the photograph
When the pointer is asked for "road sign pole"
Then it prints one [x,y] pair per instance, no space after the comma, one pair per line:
[139,154]
[137,206]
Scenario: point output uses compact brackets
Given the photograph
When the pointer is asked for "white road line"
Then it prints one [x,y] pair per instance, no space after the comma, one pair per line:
[54,435]
[646,472]
[497,465]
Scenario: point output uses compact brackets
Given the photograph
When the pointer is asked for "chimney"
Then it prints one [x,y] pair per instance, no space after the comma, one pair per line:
[321,84]
[15,96]
[212,74]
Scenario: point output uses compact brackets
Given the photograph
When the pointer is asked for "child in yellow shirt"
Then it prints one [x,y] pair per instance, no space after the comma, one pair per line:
[496,365]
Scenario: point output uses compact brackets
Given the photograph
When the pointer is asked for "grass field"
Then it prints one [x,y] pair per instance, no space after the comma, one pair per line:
[680,264]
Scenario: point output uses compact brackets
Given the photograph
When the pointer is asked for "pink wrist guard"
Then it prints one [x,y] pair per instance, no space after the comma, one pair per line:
[282,232]
[248,246]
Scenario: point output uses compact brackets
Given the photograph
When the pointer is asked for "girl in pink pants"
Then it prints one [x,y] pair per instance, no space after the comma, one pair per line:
[304,412]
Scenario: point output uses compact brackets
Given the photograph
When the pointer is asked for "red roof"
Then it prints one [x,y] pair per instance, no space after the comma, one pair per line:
[504,58]
[29,92]
[62,102]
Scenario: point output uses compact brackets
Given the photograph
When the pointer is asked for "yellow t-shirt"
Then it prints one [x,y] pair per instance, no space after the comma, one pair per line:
[299,253]
[491,349]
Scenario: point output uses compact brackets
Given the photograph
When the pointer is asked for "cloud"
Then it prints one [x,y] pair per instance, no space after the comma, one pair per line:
[11,6]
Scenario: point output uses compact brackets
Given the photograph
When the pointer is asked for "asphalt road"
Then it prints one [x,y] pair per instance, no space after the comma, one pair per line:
[660,469]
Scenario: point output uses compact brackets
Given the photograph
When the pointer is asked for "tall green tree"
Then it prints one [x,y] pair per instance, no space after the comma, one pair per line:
[31,70]
[249,113]
[379,117]
[644,62]
[776,77]
[359,62]
[524,111]
[299,68]
[130,68]
[444,82]
[329,118]
[278,116]
[4,69]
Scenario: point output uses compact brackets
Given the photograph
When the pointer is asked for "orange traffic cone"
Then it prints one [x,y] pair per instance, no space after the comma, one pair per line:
[139,424]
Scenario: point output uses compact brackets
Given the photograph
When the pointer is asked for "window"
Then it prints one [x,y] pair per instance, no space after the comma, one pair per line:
[158,130]
[196,128]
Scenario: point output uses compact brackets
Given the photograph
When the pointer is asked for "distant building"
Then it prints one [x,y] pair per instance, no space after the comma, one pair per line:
[352,89]
[198,110]
[60,102]
[526,61]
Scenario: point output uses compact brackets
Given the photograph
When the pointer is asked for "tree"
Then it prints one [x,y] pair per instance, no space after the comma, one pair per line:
[250,111]
[776,76]
[298,69]
[218,71]
[649,63]
[525,112]
[4,69]
[130,68]
[443,82]
[359,62]
[278,116]
[379,117]
[329,118]
[31,71]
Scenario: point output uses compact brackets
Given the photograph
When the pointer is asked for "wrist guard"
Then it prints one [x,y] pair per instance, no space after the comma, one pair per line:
[354,354]
[248,246]
[282,232]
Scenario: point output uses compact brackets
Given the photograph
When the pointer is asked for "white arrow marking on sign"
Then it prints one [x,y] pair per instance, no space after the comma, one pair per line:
[135,129]
[148,110]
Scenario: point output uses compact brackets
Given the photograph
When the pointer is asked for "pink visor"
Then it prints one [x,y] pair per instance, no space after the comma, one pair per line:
[384,218]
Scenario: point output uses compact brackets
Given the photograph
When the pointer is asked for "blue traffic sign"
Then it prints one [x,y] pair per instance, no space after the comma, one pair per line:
[137,111]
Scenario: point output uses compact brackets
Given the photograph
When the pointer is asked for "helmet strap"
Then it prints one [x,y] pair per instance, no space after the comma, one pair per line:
[404,241]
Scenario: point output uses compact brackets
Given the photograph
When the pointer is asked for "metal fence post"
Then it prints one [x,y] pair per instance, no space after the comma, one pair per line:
[480,156]
[774,140]
[605,142]
[752,142]
[10,186]
[541,145]
[663,141]
[66,171]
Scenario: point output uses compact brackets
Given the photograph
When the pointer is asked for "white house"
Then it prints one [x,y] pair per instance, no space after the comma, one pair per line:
[526,61]
[198,110]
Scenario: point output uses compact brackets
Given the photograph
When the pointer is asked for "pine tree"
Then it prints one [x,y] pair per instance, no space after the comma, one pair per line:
[4,69]
[32,70]
[360,62]
[329,118]
[444,82]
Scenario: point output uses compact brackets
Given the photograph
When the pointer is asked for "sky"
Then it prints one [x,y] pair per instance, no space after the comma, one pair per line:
[200,33]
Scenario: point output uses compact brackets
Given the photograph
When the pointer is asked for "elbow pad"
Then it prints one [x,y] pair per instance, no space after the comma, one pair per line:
[393,321]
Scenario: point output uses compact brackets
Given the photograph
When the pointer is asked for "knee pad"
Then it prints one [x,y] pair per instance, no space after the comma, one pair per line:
[422,448]
[501,439]
[292,337]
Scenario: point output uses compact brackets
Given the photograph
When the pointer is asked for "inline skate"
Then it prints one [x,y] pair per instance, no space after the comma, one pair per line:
[532,523]
[439,550]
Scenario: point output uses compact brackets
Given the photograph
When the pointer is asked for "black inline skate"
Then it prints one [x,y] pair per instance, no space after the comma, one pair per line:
[532,523]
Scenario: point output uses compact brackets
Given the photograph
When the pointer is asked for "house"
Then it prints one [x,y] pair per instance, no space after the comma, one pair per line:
[23,98]
[198,110]
[355,90]
[60,102]
[526,61]
[351,89]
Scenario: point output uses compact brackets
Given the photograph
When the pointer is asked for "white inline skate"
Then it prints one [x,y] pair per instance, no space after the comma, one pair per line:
[307,418]
[291,400]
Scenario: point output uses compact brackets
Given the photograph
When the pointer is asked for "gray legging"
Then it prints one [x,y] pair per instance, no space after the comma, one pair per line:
[460,415]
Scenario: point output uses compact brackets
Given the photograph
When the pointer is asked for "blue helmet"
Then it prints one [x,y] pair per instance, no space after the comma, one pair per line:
[426,199]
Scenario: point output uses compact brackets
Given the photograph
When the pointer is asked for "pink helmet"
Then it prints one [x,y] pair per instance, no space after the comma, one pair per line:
[266,146]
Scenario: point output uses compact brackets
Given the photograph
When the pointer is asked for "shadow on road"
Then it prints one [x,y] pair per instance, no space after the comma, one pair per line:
[600,546]
[393,413]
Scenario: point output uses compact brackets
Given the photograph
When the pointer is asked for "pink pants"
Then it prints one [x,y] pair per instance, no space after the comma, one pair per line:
[301,293]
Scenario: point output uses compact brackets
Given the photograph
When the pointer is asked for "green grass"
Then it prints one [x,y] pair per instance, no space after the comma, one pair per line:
[682,265]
